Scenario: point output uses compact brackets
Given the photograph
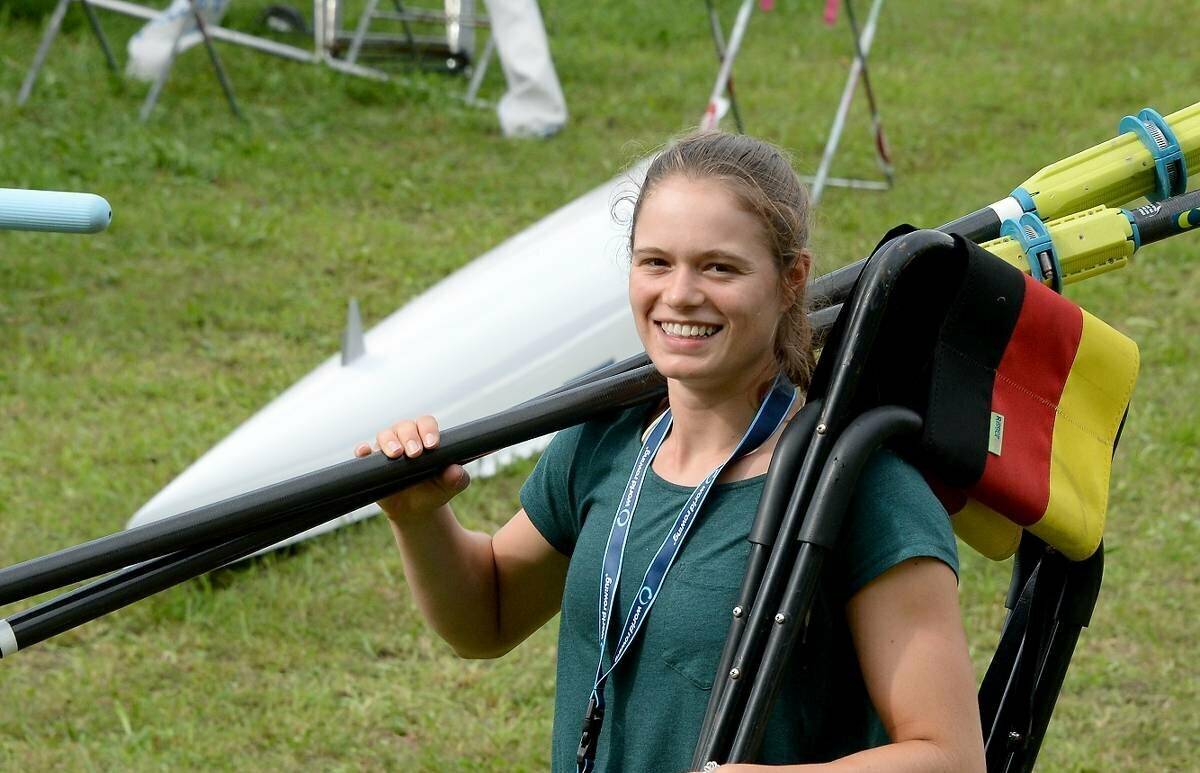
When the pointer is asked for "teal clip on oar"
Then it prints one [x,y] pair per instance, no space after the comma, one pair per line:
[78,213]
[1170,166]
[1031,233]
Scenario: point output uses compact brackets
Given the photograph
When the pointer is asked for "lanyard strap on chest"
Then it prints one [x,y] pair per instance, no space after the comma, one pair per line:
[771,414]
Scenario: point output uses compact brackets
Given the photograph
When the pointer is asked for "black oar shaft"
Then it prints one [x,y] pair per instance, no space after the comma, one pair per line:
[1168,217]
[357,482]
[123,588]
[833,288]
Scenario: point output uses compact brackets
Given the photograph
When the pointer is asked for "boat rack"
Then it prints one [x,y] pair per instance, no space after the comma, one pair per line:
[333,47]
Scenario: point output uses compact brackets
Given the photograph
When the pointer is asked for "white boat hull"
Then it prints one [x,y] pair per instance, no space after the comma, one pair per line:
[540,309]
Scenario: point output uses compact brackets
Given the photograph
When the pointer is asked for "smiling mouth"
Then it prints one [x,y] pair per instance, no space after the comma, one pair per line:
[678,330]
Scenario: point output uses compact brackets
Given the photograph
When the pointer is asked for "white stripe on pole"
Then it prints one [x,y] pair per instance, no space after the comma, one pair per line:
[1007,209]
[8,640]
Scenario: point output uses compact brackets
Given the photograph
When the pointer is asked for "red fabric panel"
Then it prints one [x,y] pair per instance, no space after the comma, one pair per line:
[1029,385]
[953,499]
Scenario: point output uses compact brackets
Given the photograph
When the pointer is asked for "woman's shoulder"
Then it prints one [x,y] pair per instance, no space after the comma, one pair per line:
[886,472]
[579,459]
[893,516]
[606,433]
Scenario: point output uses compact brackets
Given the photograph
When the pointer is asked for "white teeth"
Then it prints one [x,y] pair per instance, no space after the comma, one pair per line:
[688,331]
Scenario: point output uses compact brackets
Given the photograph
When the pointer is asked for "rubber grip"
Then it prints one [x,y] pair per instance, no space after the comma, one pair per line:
[80,213]
[1168,217]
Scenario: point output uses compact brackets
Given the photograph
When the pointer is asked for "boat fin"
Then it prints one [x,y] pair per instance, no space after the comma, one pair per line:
[353,345]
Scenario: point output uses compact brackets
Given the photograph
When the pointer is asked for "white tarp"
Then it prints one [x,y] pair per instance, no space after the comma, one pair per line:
[150,47]
[533,105]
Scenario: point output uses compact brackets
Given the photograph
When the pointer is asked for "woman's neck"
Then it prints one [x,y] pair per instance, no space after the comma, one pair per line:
[707,424]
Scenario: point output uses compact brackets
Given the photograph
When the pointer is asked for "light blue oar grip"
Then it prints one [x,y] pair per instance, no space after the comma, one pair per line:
[80,213]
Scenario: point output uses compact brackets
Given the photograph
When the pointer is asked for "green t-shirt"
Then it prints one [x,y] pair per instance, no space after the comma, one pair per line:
[655,700]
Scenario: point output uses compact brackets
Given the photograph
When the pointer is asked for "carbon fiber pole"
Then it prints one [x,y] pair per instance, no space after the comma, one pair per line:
[363,480]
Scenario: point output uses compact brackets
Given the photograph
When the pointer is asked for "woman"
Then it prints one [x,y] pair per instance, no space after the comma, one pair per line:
[882,680]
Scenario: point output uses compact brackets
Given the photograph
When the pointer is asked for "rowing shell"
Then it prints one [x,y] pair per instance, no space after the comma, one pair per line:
[545,306]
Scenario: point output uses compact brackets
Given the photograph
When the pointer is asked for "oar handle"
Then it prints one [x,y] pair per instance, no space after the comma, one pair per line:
[1175,215]
[65,212]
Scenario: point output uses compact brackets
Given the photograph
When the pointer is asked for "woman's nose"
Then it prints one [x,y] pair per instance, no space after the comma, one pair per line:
[683,289]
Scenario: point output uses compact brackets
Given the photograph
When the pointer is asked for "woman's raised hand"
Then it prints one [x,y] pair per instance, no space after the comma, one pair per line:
[410,437]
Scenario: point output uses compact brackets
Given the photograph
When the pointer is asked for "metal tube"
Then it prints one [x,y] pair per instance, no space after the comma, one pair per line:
[226,86]
[839,118]
[735,42]
[39,59]
[100,36]
[777,490]
[882,154]
[360,32]
[818,535]
[718,37]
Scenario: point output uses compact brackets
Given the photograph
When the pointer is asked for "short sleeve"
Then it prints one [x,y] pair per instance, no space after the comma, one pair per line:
[548,493]
[893,517]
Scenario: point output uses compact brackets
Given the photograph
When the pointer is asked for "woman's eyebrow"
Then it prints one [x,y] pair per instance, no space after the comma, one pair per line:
[724,255]
[713,254]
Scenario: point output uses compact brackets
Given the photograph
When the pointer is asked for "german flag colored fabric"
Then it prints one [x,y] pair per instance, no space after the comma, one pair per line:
[1022,395]
[1027,396]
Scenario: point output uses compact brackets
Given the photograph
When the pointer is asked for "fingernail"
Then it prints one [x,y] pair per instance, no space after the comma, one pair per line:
[430,439]
[463,480]
[393,448]
[413,447]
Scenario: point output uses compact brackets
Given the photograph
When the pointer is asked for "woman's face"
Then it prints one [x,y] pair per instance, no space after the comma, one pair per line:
[703,286]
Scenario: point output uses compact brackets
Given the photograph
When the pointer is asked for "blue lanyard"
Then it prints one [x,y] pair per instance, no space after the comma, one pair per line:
[771,414]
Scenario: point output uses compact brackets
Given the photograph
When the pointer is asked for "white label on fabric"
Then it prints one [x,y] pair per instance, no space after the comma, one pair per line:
[996,434]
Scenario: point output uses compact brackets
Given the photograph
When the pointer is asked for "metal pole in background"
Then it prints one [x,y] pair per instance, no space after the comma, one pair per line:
[821,178]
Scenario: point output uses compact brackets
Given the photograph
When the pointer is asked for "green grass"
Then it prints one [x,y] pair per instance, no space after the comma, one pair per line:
[234,249]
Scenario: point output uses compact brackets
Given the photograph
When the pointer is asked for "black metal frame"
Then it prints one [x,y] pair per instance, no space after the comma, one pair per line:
[805,497]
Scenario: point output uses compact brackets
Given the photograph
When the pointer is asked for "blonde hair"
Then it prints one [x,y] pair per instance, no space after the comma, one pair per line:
[761,177]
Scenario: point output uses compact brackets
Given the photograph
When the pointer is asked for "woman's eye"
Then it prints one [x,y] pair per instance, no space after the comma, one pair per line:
[721,268]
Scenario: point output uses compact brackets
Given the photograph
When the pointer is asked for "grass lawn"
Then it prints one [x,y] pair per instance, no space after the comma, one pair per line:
[234,249]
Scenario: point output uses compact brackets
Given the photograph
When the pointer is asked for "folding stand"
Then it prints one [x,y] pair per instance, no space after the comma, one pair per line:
[862,47]
[208,32]
[128,9]
[858,69]
[457,45]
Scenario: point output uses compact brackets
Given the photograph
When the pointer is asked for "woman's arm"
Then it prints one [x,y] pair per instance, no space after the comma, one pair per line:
[908,633]
[482,594]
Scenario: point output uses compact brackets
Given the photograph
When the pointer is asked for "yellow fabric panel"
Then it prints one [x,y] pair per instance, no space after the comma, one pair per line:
[1089,413]
[986,530]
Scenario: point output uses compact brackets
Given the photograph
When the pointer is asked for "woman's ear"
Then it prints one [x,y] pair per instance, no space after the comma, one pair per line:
[796,276]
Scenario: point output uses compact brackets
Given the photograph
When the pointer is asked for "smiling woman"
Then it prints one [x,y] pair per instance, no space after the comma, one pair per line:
[750,217]
[719,262]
